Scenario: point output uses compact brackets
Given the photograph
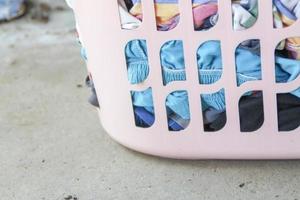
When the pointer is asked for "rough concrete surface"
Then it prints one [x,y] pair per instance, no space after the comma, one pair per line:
[52,146]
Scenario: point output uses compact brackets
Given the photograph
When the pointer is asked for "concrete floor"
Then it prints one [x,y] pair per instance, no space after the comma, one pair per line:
[52,146]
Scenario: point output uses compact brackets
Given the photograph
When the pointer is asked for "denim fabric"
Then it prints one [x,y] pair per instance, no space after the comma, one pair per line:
[143,118]
[176,123]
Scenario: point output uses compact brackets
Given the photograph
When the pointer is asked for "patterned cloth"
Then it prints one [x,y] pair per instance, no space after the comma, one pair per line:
[245,13]
[286,13]
[167,13]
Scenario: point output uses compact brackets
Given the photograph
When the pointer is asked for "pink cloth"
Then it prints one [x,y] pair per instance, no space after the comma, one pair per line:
[202,12]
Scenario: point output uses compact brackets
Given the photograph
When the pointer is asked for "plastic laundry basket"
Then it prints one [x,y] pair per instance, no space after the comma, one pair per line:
[101,33]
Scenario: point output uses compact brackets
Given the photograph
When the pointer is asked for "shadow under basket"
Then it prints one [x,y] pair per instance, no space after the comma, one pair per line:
[100,31]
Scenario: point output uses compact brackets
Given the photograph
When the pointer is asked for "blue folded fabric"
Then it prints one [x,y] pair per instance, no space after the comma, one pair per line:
[215,101]
[137,61]
[145,119]
[248,64]
[209,59]
[172,60]
[174,126]
[177,102]
[143,99]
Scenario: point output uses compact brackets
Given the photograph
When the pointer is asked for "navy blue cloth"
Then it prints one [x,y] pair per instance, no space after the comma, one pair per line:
[252,114]
[145,119]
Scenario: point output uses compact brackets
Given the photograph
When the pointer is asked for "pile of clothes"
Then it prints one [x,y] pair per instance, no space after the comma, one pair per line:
[285,14]
[11,9]
[245,13]
[205,13]
[210,67]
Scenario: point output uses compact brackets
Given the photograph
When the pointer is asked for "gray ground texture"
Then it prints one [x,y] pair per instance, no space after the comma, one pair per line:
[52,146]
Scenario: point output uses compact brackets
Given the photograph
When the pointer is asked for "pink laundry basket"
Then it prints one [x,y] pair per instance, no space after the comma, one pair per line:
[101,33]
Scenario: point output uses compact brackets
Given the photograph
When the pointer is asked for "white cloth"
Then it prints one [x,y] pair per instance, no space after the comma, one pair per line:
[240,17]
[128,21]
